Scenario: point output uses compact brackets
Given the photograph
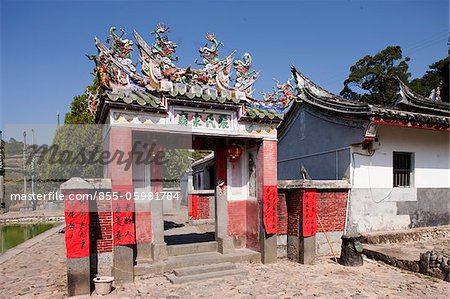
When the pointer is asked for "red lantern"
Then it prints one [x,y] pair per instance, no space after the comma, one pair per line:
[234,152]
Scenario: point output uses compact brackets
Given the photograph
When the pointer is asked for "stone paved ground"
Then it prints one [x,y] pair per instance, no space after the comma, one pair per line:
[39,272]
[325,279]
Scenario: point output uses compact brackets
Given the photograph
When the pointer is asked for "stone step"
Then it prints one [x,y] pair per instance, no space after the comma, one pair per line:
[202,276]
[242,255]
[183,249]
[203,269]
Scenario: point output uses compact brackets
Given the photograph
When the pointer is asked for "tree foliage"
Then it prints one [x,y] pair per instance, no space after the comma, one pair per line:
[13,147]
[373,80]
[79,113]
[437,75]
[75,152]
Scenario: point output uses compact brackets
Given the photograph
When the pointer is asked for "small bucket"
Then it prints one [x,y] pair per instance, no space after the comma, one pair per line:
[103,285]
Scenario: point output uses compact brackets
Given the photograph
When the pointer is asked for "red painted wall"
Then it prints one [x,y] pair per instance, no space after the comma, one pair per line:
[252,224]
[237,222]
[331,207]
[282,214]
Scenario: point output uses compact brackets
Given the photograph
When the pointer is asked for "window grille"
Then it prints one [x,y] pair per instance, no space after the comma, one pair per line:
[403,169]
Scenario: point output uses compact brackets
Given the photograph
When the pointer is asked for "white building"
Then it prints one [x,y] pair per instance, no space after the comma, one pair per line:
[396,159]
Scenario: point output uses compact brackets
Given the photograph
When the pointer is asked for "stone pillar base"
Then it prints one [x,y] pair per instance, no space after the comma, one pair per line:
[78,276]
[225,245]
[268,248]
[123,264]
[307,250]
[143,251]
[159,252]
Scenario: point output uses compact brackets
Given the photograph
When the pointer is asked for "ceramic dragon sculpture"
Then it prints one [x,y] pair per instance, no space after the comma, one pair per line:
[210,55]
[280,97]
[244,76]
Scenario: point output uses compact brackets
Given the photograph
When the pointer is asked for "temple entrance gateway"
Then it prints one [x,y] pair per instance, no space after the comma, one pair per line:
[180,210]
[165,112]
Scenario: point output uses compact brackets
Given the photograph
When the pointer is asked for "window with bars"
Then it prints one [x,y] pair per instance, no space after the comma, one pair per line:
[403,169]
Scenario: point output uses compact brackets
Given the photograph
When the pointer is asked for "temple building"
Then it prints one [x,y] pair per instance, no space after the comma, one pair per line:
[284,175]
[153,106]
[395,158]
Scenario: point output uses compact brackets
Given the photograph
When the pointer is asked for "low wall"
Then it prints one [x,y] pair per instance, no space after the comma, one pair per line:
[89,233]
[201,205]
[383,209]
[331,205]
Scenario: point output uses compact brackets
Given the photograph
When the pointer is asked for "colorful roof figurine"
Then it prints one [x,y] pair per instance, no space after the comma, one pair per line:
[281,97]
[159,76]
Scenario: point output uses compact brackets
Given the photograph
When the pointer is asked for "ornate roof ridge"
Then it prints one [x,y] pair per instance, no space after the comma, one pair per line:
[378,108]
[410,99]
[318,96]
[305,83]
[120,80]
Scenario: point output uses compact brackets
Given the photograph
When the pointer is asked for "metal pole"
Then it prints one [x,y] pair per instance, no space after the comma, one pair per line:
[326,237]
[32,173]
[57,119]
[2,172]
[25,168]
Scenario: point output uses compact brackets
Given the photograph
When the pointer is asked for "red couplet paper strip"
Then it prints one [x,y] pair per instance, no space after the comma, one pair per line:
[270,202]
[309,202]
[77,226]
[123,216]
[194,206]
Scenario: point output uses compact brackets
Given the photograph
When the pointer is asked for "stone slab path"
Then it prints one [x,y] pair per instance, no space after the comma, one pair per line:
[37,271]
[40,272]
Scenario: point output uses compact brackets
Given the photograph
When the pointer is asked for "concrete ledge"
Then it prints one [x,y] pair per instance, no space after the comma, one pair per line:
[400,236]
[404,264]
[317,184]
[201,221]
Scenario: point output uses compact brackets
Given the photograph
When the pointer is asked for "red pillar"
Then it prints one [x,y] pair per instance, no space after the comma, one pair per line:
[120,172]
[268,199]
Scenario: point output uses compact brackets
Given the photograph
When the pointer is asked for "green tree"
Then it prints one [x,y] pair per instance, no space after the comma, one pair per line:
[79,113]
[373,80]
[433,78]
[177,163]
[13,147]
[75,152]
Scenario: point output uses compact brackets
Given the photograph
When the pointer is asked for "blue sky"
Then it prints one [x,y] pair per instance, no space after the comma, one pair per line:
[43,42]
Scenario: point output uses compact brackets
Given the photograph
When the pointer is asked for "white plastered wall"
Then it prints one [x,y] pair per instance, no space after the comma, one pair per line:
[373,200]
